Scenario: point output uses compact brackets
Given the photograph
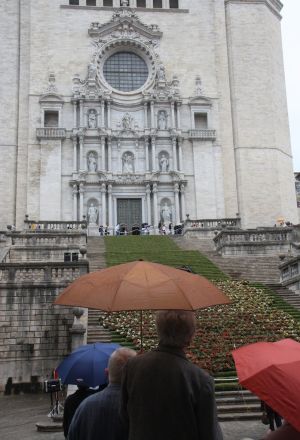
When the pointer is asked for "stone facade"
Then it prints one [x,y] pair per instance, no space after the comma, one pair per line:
[205,134]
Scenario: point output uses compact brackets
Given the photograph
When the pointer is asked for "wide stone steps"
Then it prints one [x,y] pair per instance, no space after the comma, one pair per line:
[237,405]
[292,298]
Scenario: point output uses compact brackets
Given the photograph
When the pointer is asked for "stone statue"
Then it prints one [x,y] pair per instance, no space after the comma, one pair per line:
[127,163]
[162,120]
[92,214]
[161,74]
[166,214]
[164,163]
[92,119]
[92,71]
[198,89]
[92,163]
[127,121]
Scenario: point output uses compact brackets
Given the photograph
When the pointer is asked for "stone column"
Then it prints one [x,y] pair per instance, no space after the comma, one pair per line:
[148,199]
[81,122]
[74,114]
[176,197]
[110,207]
[81,192]
[152,114]
[155,207]
[147,153]
[109,154]
[180,155]
[102,114]
[78,328]
[182,191]
[74,138]
[153,145]
[103,193]
[108,114]
[174,154]
[178,115]
[145,115]
[102,153]
[172,115]
[74,191]
[82,164]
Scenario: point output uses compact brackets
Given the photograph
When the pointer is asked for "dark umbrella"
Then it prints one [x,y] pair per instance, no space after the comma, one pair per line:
[87,363]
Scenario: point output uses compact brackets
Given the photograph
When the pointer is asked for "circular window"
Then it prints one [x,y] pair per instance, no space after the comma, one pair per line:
[125,71]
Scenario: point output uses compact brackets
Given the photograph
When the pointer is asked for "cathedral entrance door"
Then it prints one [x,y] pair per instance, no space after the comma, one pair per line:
[129,212]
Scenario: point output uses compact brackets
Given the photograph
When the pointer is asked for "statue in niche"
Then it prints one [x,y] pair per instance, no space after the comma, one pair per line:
[166,214]
[92,119]
[161,74]
[127,121]
[162,120]
[92,163]
[92,71]
[127,163]
[164,163]
[92,214]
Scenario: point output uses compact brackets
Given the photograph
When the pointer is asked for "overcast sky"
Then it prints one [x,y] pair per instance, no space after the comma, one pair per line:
[291,51]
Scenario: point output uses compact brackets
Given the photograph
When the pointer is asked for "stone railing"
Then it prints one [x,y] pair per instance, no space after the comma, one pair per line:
[51,133]
[205,228]
[260,241]
[203,134]
[42,273]
[64,238]
[290,273]
[56,226]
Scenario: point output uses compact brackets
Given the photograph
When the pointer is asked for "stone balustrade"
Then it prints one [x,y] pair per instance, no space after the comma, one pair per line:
[54,226]
[50,133]
[260,241]
[290,273]
[203,134]
[205,228]
[42,273]
[65,238]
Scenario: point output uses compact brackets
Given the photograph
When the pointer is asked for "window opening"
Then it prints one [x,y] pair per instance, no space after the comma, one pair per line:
[91,2]
[74,2]
[107,3]
[174,4]
[200,121]
[141,3]
[51,119]
[125,71]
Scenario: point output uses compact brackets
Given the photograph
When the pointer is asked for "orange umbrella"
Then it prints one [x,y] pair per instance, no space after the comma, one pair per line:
[271,370]
[141,285]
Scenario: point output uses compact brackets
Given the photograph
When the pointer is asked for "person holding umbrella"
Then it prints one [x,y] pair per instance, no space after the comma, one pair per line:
[98,415]
[164,396]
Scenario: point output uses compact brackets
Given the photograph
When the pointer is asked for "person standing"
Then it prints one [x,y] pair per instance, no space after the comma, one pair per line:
[165,396]
[98,415]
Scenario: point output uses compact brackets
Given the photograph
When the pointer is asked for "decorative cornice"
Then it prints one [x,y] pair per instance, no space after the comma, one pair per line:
[274,5]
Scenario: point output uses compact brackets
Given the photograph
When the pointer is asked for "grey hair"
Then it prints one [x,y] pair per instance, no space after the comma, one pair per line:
[175,328]
[116,363]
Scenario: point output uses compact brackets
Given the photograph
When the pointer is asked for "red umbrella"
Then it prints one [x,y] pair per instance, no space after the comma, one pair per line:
[271,370]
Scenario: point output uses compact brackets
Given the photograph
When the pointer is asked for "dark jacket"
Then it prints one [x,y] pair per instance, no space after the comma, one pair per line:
[71,404]
[98,417]
[164,396]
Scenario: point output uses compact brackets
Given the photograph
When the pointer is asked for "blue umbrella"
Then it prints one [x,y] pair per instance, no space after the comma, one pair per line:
[87,363]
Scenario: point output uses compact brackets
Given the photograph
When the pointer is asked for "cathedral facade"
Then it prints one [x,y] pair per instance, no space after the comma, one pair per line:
[144,111]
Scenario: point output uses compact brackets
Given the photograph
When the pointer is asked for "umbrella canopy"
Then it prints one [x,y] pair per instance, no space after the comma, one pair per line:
[271,370]
[87,363]
[141,285]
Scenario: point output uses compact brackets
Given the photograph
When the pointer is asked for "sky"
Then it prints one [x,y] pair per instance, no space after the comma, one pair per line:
[291,52]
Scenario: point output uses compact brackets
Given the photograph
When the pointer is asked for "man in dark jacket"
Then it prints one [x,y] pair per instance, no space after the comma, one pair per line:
[98,416]
[164,396]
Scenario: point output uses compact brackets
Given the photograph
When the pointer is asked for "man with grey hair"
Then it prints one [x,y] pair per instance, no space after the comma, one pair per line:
[164,396]
[98,415]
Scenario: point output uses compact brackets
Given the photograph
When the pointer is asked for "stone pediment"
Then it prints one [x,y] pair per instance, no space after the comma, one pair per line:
[51,97]
[200,100]
[124,24]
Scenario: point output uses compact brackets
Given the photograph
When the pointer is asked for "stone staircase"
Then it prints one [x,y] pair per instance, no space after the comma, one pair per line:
[96,256]
[253,268]
[292,298]
[237,405]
